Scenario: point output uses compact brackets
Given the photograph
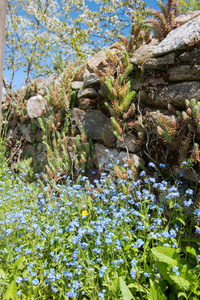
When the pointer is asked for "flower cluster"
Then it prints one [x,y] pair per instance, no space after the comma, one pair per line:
[73,242]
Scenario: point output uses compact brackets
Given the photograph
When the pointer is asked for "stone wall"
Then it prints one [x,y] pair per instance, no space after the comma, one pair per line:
[164,75]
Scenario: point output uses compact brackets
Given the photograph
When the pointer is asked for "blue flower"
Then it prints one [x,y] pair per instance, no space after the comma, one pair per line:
[133,262]
[139,243]
[19,293]
[147,275]
[101,295]
[143,173]
[189,192]
[19,279]
[152,165]
[35,281]
[102,271]
[71,294]
[133,273]
[197,212]
[162,165]
[175,270]
[188,203]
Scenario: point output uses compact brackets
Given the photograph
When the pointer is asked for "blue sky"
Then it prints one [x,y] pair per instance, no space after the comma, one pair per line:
[19,77]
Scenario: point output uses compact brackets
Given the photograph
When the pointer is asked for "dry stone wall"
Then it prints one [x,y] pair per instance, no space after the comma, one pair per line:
[163,74]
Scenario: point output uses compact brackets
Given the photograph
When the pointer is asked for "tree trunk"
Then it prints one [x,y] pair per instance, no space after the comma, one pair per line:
[3,5]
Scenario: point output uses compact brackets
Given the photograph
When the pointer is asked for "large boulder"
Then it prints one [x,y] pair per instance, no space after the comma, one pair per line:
[97,126]
[180,38]
[184,73]
[175,94]
[189,15]
[190,57]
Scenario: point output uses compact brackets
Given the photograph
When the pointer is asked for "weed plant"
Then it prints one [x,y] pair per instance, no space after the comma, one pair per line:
[114,239]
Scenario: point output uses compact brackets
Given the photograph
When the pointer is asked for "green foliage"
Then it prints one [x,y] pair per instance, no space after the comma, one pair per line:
[140,34]
[183,281]
[66,156]
[188,5]
[163,21]
[14,105]
[57,60]
[118,90]
[179,131]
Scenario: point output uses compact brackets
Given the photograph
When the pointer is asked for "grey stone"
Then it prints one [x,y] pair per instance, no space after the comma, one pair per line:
[160,63]
[190,56]
[107,157]
[87,103]
[36,106]
[188,175]
[29,151]
[180,38]
[97,61]
[91,80]
[26,132]
[141,54]
[184,73]
[189,15]
[97,125]
[76,85]
[175,94]
[39,135]
[129,143]
[88,92]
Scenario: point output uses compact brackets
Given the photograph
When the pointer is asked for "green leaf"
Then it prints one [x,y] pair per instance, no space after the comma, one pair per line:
[126,293]
[156,292]
[11,291]
[138,287]
[19,263]
[2,274]
[191,250]
[182,294]
[182,283]
[116,286]
[181,221]
[165,254]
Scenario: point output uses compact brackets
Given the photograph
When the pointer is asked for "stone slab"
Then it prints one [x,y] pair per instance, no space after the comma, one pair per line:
[180,38]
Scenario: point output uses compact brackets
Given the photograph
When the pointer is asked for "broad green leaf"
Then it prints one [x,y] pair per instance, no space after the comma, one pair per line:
[165,254]
[138,287]
[182,283]
[181,221]
[116,286]
[11,291]
[19,263]
[126,293]
[191,250]
[156,292]
[182,294]
[2,274]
